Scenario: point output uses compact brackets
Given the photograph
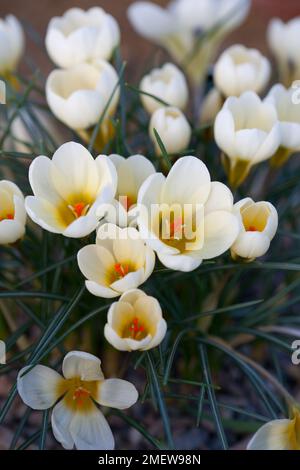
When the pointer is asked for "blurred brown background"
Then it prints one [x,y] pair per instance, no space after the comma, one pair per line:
[38,12]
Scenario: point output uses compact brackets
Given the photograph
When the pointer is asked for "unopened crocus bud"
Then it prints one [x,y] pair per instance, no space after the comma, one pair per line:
[11,44]
[172,127]
[168,84]
[240,69]
[258,226]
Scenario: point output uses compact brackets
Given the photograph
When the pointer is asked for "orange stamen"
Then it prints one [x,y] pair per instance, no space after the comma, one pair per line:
[80,395]
[136,328]
[126,202]
[175,226]
[252,229]
[79,208]
[7,217]
[121,270]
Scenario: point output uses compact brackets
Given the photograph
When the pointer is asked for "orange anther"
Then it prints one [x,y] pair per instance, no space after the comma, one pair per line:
[121,270]
[251,229]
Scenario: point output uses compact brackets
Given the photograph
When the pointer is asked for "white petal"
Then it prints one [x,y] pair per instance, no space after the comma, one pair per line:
[44,214]
[251,245]
[101,291]
[188,182]
[180,262]
[92,431]
[61,422]
[83,365]
[224,130]
[161,330]
[150,20]
[221,229]
[41,181]
[130,281]
[131,296]
[10,231]
[272,436]
[39,387]
[117,393]
[220,198]
[81,227]
[94,261]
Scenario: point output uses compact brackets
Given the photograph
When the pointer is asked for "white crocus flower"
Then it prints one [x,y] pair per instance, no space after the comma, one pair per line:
[258,226]
[284,39]
[240,69]
[185,217]
[69,189]
[166,83]
[279,434]
[172,127]
[11,44]
[12,213]
[118,262]
[78,96]
[135,322]
[81,36]
[76,419]
[288,113]
[190,30]
[132,172]
[248,132]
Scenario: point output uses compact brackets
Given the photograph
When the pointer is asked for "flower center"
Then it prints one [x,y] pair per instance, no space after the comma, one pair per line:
[176,228]
[121,269]
[126,202]
[7,217]
[136,328]
[79,209]
[80,395]
[252,228]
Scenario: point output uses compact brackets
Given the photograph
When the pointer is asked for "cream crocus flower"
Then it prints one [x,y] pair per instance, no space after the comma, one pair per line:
[76,419]
[11,44]
[69,189]
[132,172]
[288,113]
[240,69]
[172,127]
[258,226]
[279,434]
[190,30]
[248,132]
[78,96]
[118,262]
[12,213]
[166,83]
[284,39]
[185,217]
[81,36]
[135,322]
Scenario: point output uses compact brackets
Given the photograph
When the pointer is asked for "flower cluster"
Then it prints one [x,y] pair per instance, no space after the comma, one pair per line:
[140,216]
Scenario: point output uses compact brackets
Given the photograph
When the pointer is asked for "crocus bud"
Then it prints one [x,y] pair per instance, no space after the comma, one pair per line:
[288,111]
[284,40]
[79,95]
[172,127]
[247,131]
[258,226]
[11,43]
[168,84]
[240,69]
[81,36]
[135,322]
[12,213]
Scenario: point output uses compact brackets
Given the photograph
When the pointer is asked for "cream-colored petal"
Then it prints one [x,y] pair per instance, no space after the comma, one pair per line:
[61,419]
[224,131]
[44,214]
[130,281]
[251,245]
[10,231]
[94,261]
[41,181]
[161,330]
[83,365]
[38,386]
[221,229]
[117,393]
[92,431]
[220,198]
[81,227]
[131,296]
[274,435]
[100,290]
[180,262]
[188,182]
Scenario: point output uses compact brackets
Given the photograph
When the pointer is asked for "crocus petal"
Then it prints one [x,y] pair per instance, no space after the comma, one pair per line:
[11,231]
[151,21]
[251,245]
[224,130]
[117,393]
[39,386]
[183,263]
[83,365]
[92,431]
[130,281]
[41,181]
[101,291]
[220,198]
[220,231]
[161,330]
[176,189]
[81,227]
[61,419]
[274,435]
[44,214]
